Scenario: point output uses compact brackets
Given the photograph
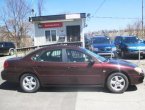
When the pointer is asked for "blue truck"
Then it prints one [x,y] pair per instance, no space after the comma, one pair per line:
[129,46]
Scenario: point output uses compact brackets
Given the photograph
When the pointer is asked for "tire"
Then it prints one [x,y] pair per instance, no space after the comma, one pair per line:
[11,52]
[116,55]
[117,83]
[123,54]
[29,83]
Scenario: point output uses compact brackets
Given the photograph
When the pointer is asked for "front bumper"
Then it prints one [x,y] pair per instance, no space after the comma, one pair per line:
[105,53]
[135,53]
[137,79]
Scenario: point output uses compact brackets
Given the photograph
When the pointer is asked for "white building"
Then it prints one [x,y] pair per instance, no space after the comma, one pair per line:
[58,28]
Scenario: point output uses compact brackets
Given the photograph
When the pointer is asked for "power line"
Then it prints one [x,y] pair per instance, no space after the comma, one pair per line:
[100,6]
[113,17]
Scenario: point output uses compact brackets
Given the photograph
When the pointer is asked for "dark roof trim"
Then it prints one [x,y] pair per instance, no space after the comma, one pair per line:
[53,17]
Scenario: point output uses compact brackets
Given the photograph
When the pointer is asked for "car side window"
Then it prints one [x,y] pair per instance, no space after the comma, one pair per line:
[77,56]
[50,55]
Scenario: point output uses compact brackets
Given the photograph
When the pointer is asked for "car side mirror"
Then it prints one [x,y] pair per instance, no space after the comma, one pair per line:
[91,62]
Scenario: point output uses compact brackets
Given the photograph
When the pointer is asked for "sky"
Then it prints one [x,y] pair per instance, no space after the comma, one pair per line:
[117,9]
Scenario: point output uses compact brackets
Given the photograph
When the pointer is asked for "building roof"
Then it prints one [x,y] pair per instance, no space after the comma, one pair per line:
[58,17]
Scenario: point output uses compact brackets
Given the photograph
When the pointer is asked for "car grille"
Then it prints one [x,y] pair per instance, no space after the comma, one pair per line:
[105,49]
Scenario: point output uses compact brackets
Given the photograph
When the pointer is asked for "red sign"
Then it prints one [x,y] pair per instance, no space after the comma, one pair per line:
[50,25]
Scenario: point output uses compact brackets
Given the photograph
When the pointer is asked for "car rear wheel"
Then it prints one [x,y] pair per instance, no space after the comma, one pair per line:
[29,83]
[11,52]
[117,83]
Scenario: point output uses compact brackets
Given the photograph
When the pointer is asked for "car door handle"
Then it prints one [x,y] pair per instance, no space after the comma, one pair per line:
[39,66]
[71,67]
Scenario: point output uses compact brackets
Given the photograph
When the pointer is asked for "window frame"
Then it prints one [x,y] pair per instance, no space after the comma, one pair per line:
[43,51]
[66,59]
[47,40]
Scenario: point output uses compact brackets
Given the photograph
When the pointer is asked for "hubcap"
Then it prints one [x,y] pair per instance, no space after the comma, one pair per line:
[29,83]
[117,83]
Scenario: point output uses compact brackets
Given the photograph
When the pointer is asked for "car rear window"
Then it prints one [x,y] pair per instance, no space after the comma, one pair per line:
[2,44]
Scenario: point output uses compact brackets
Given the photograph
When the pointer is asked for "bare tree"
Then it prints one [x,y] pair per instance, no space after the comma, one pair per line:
[40,7]
[15,17]
[129,29]
[134,29]
[138,27]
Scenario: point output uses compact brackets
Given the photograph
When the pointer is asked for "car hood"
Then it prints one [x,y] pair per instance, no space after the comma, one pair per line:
[103,45]
[122,62]
[136,46]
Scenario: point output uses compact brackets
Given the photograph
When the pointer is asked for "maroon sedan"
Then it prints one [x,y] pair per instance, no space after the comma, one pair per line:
[69,65]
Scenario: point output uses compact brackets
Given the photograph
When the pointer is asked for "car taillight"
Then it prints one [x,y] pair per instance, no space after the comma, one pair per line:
[6,64]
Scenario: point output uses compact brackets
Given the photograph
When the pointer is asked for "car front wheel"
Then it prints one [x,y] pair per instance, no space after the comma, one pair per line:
[123,55]
[117,83]
[29,83]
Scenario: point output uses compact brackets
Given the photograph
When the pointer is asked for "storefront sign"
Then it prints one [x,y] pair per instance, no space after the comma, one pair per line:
[73,16]
[50,25]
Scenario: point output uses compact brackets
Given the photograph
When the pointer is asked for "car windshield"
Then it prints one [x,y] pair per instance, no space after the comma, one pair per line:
[100,58]
[101,40]
[130,40]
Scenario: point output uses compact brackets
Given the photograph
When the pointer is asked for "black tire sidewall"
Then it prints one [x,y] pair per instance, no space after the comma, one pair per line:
[117,74]
[123,54]
[11,52]
[37,83]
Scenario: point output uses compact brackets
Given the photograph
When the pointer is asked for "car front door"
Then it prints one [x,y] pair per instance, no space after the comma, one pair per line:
[79,69]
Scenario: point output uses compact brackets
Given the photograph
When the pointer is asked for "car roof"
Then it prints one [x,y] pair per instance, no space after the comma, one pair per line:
[51,47]
[99,36]
[6,42]
[126,36]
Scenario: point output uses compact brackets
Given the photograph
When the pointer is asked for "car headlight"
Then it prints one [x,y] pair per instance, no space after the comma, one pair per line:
[138,69]
[95,49]
[114,49]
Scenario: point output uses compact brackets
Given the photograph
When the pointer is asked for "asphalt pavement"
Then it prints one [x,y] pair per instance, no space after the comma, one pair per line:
[70,98]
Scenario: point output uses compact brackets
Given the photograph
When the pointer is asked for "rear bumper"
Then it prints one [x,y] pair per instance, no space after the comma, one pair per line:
[8,76]
[5,53]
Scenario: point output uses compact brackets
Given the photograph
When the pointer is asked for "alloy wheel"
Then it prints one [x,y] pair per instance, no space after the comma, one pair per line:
[29,82]
[117,83]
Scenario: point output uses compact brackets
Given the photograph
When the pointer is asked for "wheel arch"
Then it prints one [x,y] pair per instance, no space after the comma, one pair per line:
[11,49]
[116,72]
[30,73]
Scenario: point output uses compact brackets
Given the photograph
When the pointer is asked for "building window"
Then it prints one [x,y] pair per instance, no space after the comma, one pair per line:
[50,35]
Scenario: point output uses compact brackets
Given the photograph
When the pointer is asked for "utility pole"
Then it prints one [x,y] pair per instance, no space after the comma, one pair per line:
[142,20]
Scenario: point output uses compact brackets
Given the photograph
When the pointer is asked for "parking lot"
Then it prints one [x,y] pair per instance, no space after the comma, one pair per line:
[74,98]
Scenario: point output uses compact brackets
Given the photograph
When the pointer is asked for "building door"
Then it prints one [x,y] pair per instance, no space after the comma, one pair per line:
[73,33]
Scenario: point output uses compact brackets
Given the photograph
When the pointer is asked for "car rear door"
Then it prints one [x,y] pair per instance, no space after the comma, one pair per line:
[51,67]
